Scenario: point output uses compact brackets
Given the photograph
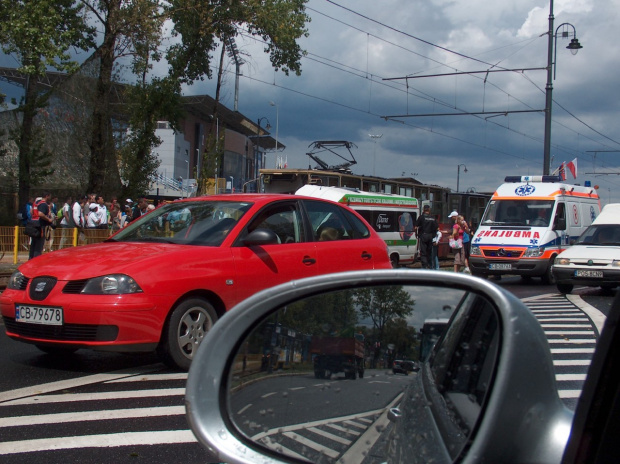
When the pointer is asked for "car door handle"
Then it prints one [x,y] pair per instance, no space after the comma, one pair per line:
[366,256]
[308,260]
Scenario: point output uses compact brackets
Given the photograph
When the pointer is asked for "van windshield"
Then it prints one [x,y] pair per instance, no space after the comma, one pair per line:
[603,235]
[531,213]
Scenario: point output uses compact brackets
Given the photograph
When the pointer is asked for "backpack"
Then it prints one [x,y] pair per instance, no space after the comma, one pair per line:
[35,209]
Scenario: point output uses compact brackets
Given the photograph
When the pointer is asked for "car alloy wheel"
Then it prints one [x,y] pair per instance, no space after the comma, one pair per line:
[189,323]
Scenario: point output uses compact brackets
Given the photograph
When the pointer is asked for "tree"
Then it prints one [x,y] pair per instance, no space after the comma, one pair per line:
[383,305]
[198,28]
[39,34]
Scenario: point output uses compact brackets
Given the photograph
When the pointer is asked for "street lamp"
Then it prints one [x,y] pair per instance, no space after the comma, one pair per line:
[374,137]
[574,47]
[458,175]
[277,119]
[268,126]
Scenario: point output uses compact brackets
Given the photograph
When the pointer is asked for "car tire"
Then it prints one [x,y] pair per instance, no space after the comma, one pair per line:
[394,261]
[187,326]
[56,350]
[564,288]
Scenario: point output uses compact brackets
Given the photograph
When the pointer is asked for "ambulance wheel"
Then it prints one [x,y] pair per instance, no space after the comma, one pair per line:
[564,288]
[394,260]
[548,277]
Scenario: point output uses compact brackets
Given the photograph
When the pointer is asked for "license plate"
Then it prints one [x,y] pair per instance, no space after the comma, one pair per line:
[38,315]
[500,267]
[588,273]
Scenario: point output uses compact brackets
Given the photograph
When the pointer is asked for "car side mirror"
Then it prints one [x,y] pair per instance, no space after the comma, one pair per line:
[302,372]
[560,224]
[260,237]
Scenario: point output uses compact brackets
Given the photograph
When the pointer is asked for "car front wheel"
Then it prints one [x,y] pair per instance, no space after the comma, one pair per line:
[188,324]
[564,288]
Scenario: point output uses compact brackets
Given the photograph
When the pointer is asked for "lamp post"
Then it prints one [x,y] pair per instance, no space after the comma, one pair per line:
[277,119]
[458,175]
[574,47]
[374,137]
[268,126]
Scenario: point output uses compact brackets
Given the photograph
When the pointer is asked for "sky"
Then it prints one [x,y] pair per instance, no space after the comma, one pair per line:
[353,86]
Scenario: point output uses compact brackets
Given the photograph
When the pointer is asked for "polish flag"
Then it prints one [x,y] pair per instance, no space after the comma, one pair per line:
[572,167]
[562,171]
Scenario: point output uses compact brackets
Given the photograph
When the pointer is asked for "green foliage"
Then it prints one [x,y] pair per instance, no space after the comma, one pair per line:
[39,34]
[203,25]
[152,102]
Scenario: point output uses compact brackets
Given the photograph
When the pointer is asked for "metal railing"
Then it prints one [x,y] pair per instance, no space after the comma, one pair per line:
[15,245]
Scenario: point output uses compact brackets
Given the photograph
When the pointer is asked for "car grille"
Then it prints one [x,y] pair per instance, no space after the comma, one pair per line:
[67,332]
[40,287]
[74,286]
[496,253]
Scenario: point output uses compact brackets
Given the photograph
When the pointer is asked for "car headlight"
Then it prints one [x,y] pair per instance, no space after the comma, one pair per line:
[615,263]
[562,261]
[114,284]
[17,281]
[535,252]
[475,250]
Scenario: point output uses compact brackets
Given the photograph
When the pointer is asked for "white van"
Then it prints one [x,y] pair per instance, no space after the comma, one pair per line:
[527,223]
[594,259]
[392,216]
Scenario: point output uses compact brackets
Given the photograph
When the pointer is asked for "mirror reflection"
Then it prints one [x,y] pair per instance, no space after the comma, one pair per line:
[340,377]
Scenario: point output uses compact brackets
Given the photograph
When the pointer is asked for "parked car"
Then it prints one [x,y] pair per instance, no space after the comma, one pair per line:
[164,280]
[404,367]
[486,393]
[594,259]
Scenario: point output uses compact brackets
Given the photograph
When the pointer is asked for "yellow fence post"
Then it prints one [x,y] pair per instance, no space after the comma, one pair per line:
[75,236]
[15,244]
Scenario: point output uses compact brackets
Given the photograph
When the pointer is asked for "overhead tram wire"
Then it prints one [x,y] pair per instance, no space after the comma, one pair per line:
[453,52]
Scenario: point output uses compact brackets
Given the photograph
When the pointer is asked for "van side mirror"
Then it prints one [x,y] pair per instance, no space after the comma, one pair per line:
[560,224]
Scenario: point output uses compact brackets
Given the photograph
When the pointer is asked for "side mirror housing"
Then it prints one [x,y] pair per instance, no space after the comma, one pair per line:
[560,224]
[260,237]
[513,414]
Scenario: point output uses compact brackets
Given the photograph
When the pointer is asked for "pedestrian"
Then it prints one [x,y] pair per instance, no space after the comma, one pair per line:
[425,230]
[102,213]
[66,222]
[457,235]
[140,209]
[49,233]
[92,221]
[435,250]
[466,240]
[40,213]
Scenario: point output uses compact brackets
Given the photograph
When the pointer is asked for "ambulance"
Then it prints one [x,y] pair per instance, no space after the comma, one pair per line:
[528,221]
[393,217]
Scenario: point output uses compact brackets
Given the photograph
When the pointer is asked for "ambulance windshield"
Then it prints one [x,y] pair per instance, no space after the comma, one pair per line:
[528,213]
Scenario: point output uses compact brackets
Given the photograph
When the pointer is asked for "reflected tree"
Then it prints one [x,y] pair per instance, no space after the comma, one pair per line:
[382,306]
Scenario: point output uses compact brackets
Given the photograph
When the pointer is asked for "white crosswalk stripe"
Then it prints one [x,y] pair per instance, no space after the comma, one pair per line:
[572,337]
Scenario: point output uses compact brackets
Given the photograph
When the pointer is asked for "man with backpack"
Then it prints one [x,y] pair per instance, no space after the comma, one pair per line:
[41,213]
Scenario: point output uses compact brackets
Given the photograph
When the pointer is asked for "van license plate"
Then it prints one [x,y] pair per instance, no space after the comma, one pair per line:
[500,267]
[588,273]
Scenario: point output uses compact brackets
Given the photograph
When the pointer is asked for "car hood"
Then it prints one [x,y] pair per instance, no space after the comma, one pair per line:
[105,258]
[592,252]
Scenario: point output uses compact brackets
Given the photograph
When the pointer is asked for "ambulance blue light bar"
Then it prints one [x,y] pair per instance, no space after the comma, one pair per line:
[532,179]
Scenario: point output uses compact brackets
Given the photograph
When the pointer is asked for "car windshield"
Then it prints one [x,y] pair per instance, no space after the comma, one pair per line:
[188,223]
[533,213]
[603,235]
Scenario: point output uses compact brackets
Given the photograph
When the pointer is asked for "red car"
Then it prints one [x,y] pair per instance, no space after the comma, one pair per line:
[164,280]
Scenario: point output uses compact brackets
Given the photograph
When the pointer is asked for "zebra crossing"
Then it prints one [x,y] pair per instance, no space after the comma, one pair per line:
[572,336]
[136,409]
